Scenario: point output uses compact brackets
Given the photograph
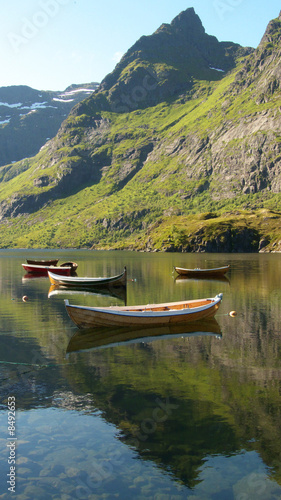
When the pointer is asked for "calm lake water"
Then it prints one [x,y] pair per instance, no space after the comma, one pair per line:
[193,413]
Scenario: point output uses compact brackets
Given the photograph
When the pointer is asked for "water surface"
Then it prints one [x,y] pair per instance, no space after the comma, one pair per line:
[185,413]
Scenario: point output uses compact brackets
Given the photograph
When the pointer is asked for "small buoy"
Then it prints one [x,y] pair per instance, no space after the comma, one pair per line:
[232,313]
[25,298]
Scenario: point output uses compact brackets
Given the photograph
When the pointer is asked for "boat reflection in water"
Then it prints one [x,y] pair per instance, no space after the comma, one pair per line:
[29,276]
[103,337]
[199,277]
[117,292]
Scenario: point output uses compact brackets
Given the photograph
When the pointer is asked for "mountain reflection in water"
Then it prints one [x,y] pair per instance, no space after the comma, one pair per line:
[193,412]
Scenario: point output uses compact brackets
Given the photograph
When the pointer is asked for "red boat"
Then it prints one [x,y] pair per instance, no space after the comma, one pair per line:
[43,270]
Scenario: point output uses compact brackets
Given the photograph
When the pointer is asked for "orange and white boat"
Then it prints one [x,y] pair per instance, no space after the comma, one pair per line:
[141,315]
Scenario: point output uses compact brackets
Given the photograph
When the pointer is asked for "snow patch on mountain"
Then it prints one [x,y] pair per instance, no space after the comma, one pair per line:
[217,69]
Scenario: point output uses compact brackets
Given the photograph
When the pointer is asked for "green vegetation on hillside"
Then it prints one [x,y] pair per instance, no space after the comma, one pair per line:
[144,179]
[158,201]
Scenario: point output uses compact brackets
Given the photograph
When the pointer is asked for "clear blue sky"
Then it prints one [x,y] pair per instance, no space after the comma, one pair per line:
[50,44]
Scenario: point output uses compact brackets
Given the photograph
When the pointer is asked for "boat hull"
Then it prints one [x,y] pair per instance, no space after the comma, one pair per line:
[218,271]
[43,270]
[149,315]
[84,282]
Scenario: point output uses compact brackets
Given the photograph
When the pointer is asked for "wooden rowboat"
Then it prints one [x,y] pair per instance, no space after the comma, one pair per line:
[103,337]
[216,271]
[73,265]
[43,262]
[43,270]
[86,282]
[142,315]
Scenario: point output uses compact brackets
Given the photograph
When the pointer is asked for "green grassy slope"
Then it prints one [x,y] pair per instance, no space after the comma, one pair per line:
[155,203]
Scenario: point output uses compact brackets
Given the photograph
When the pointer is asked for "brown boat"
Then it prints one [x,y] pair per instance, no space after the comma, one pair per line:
[216,271]
[43,262]
[73,265]
[144,315]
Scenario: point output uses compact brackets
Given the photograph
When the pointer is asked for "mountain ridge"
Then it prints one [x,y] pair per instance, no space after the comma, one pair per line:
[30,117]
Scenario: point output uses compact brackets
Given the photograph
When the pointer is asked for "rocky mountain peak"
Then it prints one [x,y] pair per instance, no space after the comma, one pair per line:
[189,23]
[273,31]
[165,64]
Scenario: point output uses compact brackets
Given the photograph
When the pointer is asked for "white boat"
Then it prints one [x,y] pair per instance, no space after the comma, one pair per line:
[87,282]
